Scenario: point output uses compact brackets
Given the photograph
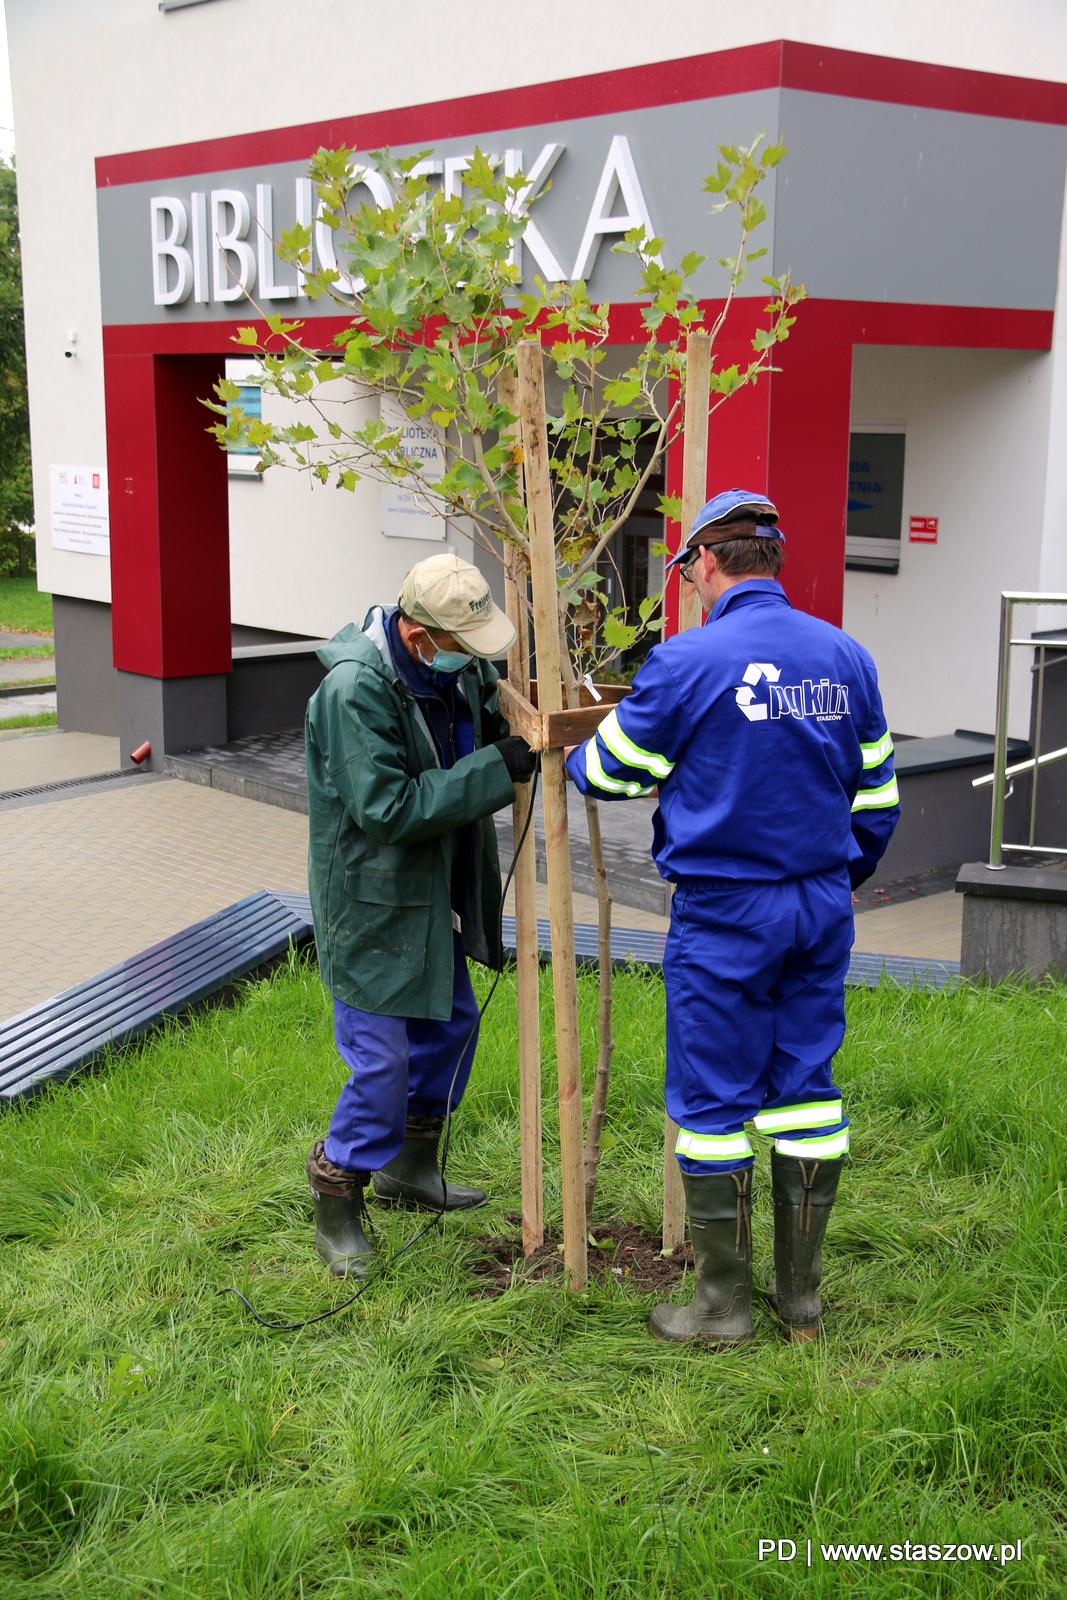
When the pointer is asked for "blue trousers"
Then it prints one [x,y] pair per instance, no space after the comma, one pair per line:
[755,980]
[400,1067]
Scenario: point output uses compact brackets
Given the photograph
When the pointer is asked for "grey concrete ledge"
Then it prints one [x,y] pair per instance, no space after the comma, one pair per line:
[236,783]
[1013,883]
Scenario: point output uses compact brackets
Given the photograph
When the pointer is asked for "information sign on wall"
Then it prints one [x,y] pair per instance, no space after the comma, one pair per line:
[922,530]
[79,509]
[409,510]
[875,502]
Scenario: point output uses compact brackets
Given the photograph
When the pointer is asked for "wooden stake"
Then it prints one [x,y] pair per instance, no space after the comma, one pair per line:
[541,533]
[690,615]
[525,881]
[694,460]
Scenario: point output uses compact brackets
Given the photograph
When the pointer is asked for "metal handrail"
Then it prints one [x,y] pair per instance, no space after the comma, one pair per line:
[1009,599]
[1022,766]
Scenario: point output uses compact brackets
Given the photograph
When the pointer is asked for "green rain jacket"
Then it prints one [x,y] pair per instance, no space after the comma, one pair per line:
[381,815]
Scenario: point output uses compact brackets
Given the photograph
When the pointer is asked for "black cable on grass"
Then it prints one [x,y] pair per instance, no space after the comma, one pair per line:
[291,1327]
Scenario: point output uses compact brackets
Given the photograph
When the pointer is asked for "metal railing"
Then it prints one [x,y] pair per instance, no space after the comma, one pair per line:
[1002,773]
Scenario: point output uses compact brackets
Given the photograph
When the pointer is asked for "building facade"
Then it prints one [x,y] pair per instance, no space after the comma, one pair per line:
[913,438]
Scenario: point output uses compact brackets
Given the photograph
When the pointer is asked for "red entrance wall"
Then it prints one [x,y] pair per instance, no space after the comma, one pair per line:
[787,435]
[170,552]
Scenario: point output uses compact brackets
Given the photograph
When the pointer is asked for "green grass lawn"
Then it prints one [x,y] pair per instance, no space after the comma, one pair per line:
[435,1443]
[36,719]
[23,609]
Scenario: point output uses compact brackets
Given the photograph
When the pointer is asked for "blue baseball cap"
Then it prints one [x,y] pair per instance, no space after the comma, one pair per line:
[732,505]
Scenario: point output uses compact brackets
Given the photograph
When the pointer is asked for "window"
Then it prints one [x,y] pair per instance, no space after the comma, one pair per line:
[242,462]
[875,502]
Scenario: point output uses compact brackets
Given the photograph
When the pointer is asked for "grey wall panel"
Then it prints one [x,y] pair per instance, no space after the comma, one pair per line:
[874,202]
[943,822]
[86,680]
[902,203]
[267,694]
[674,148]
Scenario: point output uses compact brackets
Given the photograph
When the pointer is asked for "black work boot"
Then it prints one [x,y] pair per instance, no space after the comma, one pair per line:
[340,1212]
[720,1227]
[413,1178]
[803,1190]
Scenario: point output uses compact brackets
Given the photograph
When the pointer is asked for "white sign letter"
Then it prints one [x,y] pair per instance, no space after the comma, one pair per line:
[533,238]
[268,288]
[169,248]
[230,285]
[619,173]
[201,287]
[304,213]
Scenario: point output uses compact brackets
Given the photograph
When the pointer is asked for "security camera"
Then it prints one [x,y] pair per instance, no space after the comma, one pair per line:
[70,349]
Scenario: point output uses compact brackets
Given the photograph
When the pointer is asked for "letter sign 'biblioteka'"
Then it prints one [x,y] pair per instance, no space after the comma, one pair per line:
[218,244]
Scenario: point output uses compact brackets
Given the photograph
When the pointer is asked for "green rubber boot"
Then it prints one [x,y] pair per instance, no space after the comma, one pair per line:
[340,1214]
[720,1227]
[413,1178]
[804,1192]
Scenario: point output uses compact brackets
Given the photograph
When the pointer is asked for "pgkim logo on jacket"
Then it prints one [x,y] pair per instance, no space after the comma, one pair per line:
[813,697]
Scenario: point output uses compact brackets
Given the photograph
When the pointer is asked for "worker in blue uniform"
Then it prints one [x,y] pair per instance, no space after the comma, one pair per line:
[764,733]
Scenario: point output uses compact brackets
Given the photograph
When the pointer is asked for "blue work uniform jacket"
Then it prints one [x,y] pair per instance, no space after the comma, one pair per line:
[765,734]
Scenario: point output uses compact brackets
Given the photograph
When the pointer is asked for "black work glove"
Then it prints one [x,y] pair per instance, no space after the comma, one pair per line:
[519,759]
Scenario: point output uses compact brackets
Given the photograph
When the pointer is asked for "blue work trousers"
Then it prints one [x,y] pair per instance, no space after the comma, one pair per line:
[400,1067]
[755,980]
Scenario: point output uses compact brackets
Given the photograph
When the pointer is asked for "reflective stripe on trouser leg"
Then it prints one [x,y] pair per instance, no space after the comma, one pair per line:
[809,1114]
[819,1147]
[712,1146]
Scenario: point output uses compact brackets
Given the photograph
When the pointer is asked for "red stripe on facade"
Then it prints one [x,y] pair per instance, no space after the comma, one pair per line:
[921,83]
[760,66]
[818,321]
[602,93]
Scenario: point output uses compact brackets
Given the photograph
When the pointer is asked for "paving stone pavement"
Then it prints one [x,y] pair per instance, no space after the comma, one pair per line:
[28,759]
[932,927]
[88,881]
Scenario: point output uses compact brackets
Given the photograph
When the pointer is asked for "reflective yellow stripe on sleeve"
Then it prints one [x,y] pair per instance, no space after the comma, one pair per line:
[877,751]
[885,794]
[594,771]
[623,749]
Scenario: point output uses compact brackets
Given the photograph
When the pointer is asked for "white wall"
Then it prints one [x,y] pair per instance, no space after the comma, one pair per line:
[94,77]
[307,557]
[975,457]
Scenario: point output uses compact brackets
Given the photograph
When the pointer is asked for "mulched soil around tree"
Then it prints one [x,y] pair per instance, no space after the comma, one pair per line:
[619,1250]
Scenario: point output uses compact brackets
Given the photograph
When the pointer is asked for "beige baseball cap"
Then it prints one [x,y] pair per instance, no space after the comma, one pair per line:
[445,592]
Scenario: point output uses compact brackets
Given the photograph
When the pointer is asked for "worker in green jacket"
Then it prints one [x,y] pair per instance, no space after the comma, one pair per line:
[407,759]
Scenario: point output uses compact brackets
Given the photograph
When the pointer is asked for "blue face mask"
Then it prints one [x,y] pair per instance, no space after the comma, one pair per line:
[448,661]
